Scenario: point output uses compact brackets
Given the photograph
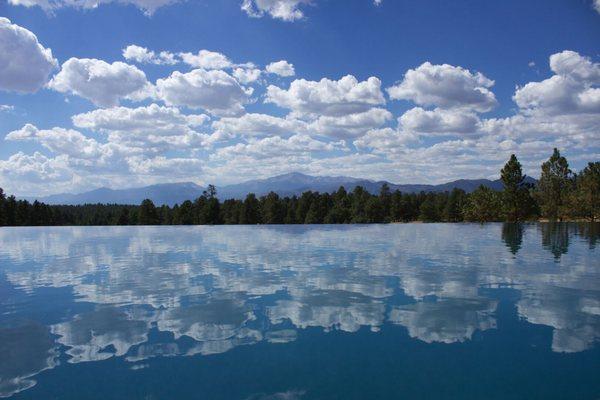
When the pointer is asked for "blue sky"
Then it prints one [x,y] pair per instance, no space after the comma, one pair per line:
[433,90]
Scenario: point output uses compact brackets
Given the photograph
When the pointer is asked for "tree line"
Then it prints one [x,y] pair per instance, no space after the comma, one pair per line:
[559,195]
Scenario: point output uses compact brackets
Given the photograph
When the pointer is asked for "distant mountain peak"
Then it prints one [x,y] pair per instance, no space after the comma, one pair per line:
[289,184]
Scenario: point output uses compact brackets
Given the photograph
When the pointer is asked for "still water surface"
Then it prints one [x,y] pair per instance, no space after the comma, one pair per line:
[416,311]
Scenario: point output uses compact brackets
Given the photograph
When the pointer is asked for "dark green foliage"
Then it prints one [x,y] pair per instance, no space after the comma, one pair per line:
[585,202]
[559,193]
[251,213]
[484,205]
[147,213]
[516,197]
[555,187]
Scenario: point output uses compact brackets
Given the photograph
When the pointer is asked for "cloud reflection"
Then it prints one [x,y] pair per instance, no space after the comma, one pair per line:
[211,289]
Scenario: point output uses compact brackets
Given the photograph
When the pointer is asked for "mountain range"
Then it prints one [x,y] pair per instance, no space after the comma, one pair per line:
[285,185]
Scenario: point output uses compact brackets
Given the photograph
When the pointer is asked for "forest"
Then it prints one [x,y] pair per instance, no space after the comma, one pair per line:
[559,195]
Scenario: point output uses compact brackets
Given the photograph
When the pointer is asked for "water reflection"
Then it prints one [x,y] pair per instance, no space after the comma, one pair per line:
[512,235]
[140,293]
[555,237]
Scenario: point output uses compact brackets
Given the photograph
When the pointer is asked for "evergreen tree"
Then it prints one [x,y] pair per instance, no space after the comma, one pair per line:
[273,210]
[454,206]
[358,208]
[554,187]
[148,214]
[483,205]
[586,199]
[123,218]
[250,214]
[340,209]
[10,208]
[385,198]
[2,208]
[185,214]
[428,211]
[516,198]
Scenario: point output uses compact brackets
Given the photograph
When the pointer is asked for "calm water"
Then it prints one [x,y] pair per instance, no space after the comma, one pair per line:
[347,312]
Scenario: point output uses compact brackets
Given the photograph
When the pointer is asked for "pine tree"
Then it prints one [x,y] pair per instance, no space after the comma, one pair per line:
[484,205]
[148,214]
[273,211]
[2,208]
[251,213]
[516,199]
[586,198]
[554,186]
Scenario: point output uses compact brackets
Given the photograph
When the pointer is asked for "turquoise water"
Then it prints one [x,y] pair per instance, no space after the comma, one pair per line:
[416,311]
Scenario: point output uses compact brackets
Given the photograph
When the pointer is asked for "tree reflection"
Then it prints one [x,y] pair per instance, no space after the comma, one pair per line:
[590,232]
[512,236]
[555,237]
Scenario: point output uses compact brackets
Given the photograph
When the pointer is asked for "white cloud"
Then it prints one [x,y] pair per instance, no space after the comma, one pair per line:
[214,91]
[328,97]
[24,63]
[286,10]
[445,86]
[281,68]
[144,56]
[150,130]
[6,108]
[166,167]
[141,120]
[247,75]
[439,121]
[573,90]
[102,83]
[58,140]
[275,147]
[597,5]
[352,125]
[207,60]
[385,141]
[258,125]
[149,7]
[23,173]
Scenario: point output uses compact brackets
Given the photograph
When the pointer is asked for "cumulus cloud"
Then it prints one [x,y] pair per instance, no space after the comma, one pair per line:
[328,97]
[281,68]
[439,121]
[207,60]
[286,10]
[275,146]
[153,118]
[386,141]
[149,7]
[144,56]
[246,75]
[445,86]
[25,64]
[574,89]
[24,172]
[214,91]
[102,83]
[58,140]
[150,130]
[257,125]
[352,125]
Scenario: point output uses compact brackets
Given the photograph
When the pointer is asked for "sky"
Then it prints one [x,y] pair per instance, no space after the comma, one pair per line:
[126,93]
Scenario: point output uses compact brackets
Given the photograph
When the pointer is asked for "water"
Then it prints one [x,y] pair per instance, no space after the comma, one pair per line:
[417,311]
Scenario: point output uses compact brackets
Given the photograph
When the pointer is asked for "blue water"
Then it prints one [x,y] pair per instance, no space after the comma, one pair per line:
[415,311]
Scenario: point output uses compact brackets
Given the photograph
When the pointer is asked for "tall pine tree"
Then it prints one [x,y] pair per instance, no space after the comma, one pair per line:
[555,186]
